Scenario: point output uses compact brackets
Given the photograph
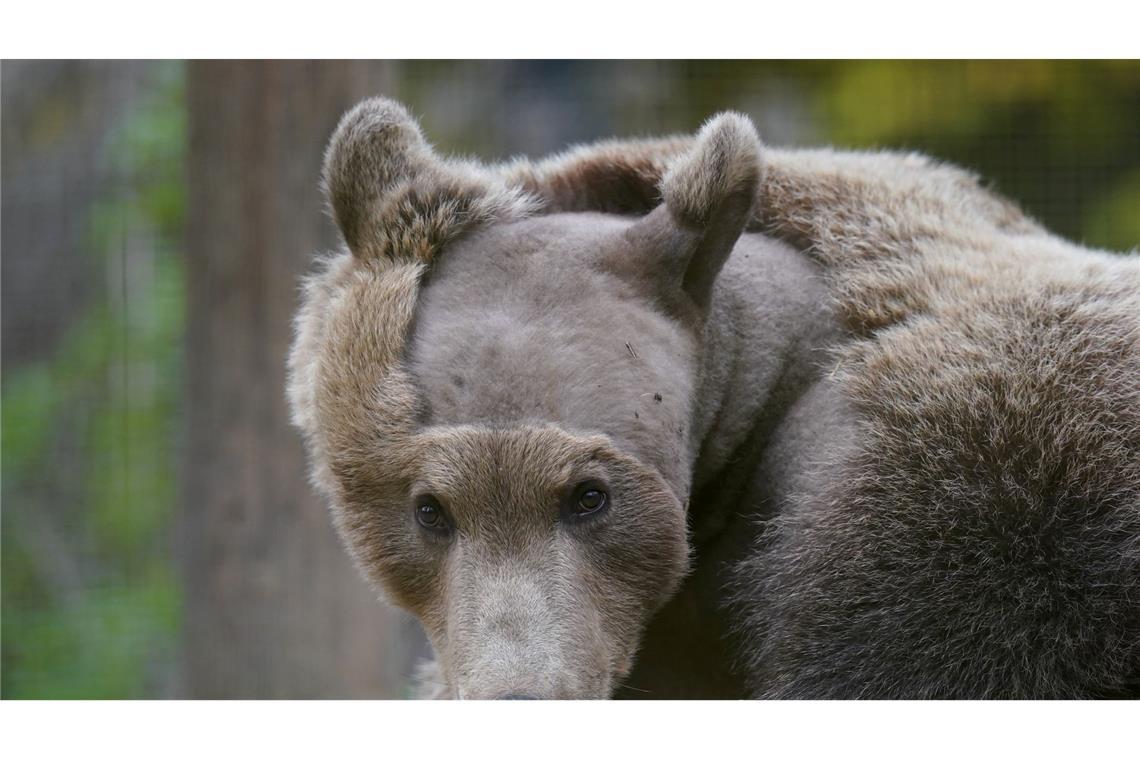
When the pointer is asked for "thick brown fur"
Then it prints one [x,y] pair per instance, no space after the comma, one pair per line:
[980,538]
[984,540]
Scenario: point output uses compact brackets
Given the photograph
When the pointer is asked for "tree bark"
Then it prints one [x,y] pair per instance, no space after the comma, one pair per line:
[273,606]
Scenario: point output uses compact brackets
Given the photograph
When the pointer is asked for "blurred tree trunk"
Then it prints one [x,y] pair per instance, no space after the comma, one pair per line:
[273,607]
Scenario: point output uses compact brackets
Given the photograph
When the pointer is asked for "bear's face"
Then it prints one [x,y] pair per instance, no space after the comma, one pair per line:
[497,404]
[532,555]
[555,389]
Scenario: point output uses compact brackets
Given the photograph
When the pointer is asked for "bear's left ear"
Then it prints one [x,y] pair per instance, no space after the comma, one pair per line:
[709,195]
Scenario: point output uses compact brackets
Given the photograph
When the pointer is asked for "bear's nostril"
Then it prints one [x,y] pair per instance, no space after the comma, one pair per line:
[517,696]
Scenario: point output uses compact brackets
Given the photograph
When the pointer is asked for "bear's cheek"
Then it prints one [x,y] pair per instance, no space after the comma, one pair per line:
[634,565]
[397,560]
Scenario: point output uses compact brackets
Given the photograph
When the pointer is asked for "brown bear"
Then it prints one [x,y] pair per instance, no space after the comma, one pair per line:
[695,417]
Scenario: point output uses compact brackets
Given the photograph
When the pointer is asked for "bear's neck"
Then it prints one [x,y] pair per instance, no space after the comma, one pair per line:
[766,341]
[764,410]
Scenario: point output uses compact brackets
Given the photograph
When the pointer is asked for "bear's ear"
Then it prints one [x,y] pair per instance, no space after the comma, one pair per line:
[709,195]
[376,146]
[393,197]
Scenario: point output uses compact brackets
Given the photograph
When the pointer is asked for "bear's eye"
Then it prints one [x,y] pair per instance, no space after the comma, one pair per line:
[429,514]
[591,501]
[588,499]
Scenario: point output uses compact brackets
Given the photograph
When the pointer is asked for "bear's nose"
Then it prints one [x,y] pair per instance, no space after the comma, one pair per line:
[517,696]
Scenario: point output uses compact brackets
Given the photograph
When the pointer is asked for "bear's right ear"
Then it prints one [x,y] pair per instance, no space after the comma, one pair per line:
[376,146]
[393,197]
[709,195]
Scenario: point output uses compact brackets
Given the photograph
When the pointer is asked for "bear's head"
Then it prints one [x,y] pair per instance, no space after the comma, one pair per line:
[495,385]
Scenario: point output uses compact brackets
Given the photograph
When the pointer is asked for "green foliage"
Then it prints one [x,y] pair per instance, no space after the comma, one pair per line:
[1113,221]
[1059,137]
[90,601]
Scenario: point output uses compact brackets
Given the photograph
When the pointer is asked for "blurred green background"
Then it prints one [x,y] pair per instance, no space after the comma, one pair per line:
[156,216]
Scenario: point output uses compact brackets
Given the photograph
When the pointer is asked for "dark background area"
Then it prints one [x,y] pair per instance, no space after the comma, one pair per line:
[159,538]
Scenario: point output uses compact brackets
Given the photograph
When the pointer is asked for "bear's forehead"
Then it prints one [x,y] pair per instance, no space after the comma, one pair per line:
[522,326]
